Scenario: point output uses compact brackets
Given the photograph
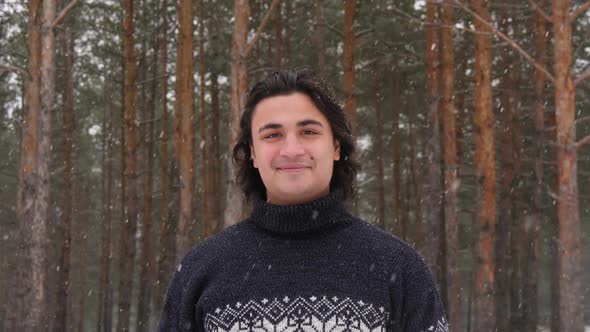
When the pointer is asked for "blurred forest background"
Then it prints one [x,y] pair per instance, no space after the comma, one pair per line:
[472,119]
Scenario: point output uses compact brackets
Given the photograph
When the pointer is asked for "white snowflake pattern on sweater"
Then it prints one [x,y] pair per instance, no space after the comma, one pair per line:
[328,314]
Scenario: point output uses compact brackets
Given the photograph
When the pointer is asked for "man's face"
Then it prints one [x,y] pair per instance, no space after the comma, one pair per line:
[293,148]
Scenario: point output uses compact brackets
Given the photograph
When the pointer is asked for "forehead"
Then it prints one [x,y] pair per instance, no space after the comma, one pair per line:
[286,109]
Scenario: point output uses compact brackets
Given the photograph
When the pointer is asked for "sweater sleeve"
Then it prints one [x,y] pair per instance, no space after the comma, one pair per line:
[170,314]
[179,312]
[423,310]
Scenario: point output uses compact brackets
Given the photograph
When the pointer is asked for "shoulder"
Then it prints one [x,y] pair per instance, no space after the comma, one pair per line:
[399,256]
[380,241]
[214,249]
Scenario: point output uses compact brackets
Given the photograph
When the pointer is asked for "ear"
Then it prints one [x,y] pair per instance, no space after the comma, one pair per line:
[253,156]
[336,150]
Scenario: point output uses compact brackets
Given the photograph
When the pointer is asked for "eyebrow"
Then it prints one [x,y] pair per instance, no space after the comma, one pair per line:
[302,123]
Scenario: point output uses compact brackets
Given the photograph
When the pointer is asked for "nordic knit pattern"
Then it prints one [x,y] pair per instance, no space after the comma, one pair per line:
[308,267]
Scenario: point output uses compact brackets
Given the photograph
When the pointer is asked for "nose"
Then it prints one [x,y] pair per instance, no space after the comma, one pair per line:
[292,146]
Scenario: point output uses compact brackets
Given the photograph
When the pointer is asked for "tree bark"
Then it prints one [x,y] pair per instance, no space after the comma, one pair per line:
[69,126]
[348,65]
[128,228]
[377,98]
[434,155]
[504,237]
[215,164]
[460,94]
[530,296]
[517,232]
[165,229]
[485,163]
[26,298]
[450,165]
[238,92]
[41,217]
[396,216]
[320,37]
[279,41]
[571,314]
[83,208]
[415,169]
[104,300]
[238,86]
[147,260]
[203,146]
[184,109]
[288,31]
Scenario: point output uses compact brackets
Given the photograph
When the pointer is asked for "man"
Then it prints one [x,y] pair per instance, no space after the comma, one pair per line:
[300,262]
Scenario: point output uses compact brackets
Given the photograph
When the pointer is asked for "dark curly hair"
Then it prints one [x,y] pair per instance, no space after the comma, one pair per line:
[286,82]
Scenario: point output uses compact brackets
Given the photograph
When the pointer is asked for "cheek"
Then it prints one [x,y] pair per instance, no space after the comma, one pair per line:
[263,158]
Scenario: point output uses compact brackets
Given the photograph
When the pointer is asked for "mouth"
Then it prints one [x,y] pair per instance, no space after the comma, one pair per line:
[292,168]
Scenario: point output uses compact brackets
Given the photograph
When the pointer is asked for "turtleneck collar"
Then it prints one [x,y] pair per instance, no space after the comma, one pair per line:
[296,218]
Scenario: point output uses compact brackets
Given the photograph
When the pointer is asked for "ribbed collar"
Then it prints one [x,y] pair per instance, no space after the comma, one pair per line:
[300,217]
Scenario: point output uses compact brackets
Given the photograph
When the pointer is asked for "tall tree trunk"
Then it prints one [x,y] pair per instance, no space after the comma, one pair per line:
[127,250]
[184,109]
[414,171]
[517,245]
[320,37]
[530,295]
[104,303]
[69,125]
[379,151]
[203,146]
[405,207]
[460,95]
[485,163]
[41,217]
[122,213]
[571,314]
[434,153]
[147,260]
[450,166]
[348,64]
[279,42]
[288,32]
[26,293]
[215,161]
[238,85]
[398,229]
[165,229]
[83,191]
[143,72]
[504,238]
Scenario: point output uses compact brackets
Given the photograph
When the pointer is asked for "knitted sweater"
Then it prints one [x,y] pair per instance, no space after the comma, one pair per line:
[308,267]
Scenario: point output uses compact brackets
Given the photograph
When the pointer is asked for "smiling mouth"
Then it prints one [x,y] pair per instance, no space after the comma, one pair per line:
[293,169]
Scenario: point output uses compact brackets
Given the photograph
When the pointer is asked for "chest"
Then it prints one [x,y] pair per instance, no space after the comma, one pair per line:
[291,287]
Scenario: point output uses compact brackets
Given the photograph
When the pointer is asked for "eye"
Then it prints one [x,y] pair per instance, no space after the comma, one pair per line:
[309,132]
[271,135]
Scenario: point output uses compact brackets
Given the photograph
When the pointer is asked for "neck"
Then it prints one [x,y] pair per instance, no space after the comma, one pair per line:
[274,200]
[293,218]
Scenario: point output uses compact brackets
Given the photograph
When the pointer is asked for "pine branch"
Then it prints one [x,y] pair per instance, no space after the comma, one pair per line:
[507,39]
[580,10]
[582,142]
[581,120]
[585,75]
[261,27]
[333,29]
[14,69]
[540,11]
[63,13]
